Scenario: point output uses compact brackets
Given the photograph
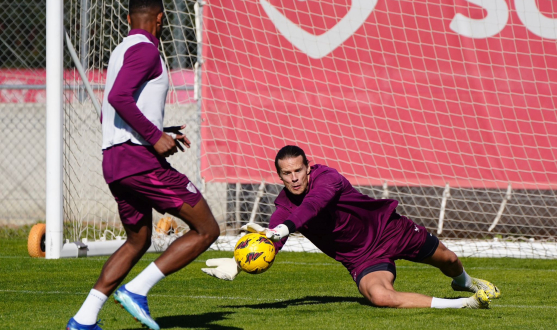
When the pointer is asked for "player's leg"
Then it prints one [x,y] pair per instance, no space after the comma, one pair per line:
[377,287]
[450,265]
[136,217]
[172,192]
[204,230]
[124,259]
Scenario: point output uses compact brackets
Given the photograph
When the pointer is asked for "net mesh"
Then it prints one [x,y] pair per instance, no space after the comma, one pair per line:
[447,108]
[95,29]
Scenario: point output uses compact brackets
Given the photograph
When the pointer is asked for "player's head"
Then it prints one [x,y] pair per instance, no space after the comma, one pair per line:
[146,14]
[293,169]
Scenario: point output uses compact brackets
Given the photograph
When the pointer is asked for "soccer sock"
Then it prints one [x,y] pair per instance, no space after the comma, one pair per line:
[145,280]
[448,303]
[89,311]
[464,280]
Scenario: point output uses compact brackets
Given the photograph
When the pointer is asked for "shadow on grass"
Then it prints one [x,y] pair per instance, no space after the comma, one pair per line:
[308,300]
[203,321]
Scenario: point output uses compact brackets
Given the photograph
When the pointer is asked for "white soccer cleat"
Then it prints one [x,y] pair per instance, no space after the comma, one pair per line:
[478,284]
[478,301]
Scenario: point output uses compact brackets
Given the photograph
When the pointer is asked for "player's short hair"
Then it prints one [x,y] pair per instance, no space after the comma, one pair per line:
[139,6]
[290,152]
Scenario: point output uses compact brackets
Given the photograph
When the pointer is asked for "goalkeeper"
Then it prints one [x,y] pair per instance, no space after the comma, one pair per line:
[366,235]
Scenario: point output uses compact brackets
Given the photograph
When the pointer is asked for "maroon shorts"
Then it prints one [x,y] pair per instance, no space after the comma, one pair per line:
[402,239]
[162,189]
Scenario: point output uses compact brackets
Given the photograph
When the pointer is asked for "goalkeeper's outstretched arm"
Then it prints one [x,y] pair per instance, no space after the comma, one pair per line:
[226,268]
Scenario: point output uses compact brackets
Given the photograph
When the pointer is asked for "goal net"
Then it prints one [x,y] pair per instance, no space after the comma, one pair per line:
[447,108]
[94,29]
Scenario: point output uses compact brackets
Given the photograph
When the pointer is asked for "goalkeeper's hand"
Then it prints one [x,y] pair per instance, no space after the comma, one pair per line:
[226,268]
[275,234]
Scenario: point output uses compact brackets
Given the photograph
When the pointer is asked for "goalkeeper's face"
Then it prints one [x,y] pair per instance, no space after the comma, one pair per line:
[294,174]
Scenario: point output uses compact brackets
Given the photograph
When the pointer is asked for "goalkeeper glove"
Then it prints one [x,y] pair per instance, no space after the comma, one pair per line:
[226,269]
[275,234]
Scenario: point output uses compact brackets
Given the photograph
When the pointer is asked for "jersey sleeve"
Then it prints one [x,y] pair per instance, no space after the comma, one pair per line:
[277,218]
[325,188]
[141,64]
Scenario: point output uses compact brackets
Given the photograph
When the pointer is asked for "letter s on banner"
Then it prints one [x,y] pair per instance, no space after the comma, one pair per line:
[492,24]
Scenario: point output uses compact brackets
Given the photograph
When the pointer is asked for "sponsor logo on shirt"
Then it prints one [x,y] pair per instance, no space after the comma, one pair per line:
[191,188]
[416,228]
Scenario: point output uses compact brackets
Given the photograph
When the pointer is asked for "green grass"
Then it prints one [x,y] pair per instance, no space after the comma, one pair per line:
[300,291]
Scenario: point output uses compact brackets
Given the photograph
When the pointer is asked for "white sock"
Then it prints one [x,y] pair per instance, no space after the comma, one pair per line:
[464,280]
[145,280]
[448,303]
[89,311]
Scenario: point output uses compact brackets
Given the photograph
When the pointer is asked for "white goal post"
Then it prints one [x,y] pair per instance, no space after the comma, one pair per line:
[448,108]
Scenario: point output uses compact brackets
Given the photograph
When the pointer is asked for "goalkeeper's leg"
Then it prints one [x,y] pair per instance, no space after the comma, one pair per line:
[447,261]
[378,288]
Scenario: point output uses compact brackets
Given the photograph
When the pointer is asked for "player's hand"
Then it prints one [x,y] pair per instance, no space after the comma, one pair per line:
[165,146]
[178,136]
[226,268]
[275,234]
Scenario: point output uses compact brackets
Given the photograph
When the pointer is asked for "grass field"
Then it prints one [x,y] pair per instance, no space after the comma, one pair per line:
[300,291]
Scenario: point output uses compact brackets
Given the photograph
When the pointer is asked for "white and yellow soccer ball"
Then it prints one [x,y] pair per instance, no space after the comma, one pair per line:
[254,253]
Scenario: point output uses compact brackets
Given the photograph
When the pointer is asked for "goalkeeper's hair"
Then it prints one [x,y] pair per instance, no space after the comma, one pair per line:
[140,6]
[290,152]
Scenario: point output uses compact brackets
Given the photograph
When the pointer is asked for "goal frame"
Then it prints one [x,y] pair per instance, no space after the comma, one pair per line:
[55,247]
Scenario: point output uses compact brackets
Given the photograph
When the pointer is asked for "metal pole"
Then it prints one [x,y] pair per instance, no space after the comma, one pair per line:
[385,194]
[83,76]
[54,127]
[502,207]
[178,24]
[257,200]
[446,195]
[84,43]
[198,7]
[237,206]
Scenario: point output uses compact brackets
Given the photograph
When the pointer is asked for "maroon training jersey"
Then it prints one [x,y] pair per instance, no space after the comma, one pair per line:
[343,223]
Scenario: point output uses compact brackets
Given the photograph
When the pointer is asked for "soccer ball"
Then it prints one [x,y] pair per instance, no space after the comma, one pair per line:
[254,253]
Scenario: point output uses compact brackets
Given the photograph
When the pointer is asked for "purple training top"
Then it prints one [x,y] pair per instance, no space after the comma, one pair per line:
[141,64]
[343,223]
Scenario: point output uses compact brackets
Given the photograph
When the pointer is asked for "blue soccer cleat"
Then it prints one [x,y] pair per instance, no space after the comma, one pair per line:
[137,306]
[73,325]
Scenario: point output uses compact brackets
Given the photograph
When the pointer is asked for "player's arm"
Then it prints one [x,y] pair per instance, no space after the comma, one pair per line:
[326,188]
[279,227]
[141,64]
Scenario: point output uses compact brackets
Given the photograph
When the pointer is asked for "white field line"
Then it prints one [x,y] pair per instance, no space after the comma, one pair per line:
[232,298]
[151,295]
[336,263]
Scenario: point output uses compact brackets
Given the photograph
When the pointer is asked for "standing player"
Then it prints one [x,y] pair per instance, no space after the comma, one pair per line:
[139,177]
[366,235]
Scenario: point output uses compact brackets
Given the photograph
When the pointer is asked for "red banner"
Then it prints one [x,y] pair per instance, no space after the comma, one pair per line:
[28,85]
[409,92]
